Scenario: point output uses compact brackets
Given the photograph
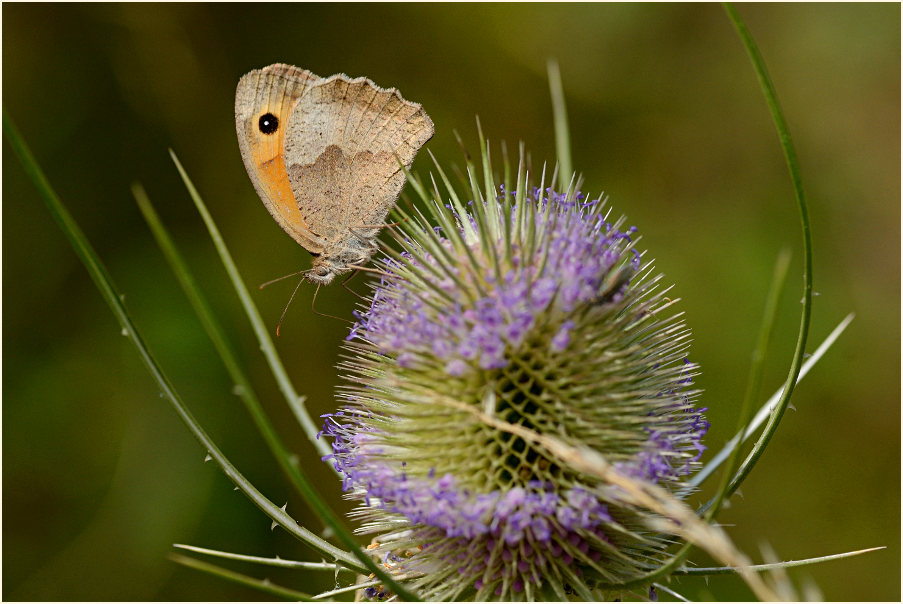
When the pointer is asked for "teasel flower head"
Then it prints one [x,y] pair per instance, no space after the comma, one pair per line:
[519,311]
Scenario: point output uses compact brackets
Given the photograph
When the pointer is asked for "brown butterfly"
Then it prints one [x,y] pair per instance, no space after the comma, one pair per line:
[323,154]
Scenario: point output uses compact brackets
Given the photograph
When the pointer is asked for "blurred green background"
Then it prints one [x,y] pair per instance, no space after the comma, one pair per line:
[100,477]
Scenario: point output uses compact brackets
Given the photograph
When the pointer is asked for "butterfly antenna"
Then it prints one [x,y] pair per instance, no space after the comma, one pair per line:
[262,285]
[323,314]
[285,310]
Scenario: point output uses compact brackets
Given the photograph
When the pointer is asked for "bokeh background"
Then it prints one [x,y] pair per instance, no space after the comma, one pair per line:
[99,476]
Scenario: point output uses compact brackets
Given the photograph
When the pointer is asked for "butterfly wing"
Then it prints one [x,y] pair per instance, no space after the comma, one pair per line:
[264,101]
[340,154]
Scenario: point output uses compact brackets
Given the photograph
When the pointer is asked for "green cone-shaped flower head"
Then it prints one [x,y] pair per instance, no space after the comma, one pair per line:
[522,312]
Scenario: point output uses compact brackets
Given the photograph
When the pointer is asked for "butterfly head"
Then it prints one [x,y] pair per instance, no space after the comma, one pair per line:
[341,257]
[323,272]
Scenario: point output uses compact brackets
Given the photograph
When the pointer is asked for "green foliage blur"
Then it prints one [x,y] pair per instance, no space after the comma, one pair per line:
[99,476]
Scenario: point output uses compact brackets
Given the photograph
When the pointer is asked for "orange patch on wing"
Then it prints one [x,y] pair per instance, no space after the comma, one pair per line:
[267,155]
[274,178]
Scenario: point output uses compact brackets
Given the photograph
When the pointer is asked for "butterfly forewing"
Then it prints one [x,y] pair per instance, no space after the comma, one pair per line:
[323,154]
[263,106]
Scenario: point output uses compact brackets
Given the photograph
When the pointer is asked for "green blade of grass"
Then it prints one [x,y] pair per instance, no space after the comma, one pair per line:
[264,585]
[295,402]
[112,296]
[80,244]
[799,352]
[780,123]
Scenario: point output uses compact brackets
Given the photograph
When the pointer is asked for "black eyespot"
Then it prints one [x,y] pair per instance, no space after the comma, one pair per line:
[268,123]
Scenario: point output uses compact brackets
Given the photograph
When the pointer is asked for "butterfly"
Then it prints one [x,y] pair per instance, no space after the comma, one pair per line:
[325,156]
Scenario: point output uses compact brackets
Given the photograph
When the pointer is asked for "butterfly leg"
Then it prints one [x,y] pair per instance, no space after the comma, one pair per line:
[345,285]
[323,314]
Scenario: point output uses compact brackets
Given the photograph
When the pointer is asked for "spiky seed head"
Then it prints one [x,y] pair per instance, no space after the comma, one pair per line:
[529,308]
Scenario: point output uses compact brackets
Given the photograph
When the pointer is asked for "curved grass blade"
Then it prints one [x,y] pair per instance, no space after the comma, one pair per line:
[80,244]
[264,585]
[777,115]
[295,402]
[799,352]
[287,461]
